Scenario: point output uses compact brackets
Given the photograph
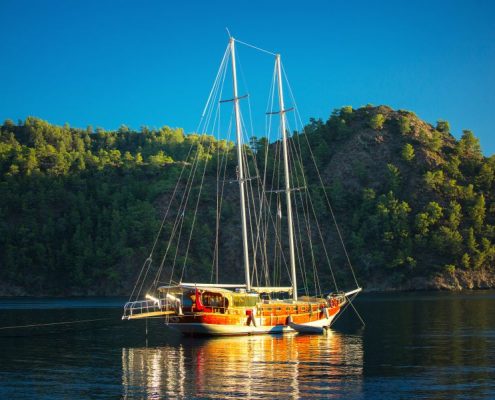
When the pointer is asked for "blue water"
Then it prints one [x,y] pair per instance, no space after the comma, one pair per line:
[415,346]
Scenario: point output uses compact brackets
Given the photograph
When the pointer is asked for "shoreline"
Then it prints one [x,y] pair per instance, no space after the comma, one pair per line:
[457,281]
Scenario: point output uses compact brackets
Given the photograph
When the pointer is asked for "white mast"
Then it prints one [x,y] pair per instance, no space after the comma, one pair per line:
[287,178]
[240,166]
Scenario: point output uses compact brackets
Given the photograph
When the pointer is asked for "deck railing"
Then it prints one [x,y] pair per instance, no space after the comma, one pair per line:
[142,307]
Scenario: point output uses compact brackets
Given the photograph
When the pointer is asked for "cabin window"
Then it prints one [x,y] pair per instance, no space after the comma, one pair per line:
[213,299]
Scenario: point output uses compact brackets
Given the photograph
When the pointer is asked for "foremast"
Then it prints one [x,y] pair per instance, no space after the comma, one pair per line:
[292,256]
[241,178]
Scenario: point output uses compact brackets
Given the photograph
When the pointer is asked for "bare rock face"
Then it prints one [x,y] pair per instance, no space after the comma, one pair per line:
[363,156]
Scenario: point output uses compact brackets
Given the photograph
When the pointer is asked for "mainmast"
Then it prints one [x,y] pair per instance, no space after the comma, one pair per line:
[242,181]
[292,255]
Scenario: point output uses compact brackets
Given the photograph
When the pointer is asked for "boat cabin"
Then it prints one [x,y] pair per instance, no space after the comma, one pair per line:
[207,299]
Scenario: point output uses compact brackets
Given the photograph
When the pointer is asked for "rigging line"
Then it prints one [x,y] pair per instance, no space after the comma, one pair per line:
[278,238]
[222,66]
[265,229]
[342,311]
[213,90]
[180,217]
[244,80]
[277,259]
[251,203]
[259,215]
[215,261]
[192,174]
[194,218]
[159,232]
[276,180]
[346,306]
[161,227]
[255,47]
[323,242]
[321,181]
[220,77]
[224,163]
[274,223]
[265,218]
[217,88]
[295,177]
[310,236]
[220,161]
[219,197]
[297,156]
[251,209]
[278,241]
[299,248]
[321,238]
[268,129]
[333,214]
[355,310]
[55,323]
[259,231]
[189,191]
[214,266]
[193,221]
[222,63]
[182,220]
[271,93]
[220,188]
[148,260]
[304,199]
[309,197]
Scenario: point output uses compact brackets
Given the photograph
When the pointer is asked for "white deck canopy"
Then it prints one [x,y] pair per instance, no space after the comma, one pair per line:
[256,289]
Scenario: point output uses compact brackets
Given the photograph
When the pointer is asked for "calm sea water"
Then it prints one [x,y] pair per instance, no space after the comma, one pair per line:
[415,346]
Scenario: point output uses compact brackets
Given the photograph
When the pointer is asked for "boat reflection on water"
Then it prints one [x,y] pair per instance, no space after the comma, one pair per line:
[289,366]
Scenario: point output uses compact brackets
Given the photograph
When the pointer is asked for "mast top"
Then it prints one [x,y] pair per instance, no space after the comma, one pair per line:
[253,46]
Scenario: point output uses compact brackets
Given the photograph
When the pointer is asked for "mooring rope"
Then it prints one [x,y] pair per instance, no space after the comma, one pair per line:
[55,323]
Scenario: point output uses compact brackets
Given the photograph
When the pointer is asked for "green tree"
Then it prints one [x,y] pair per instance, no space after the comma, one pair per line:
[468,146]
[430,216]
[443,126]
[394,179]
[377,122]
[408,152]
[404,125]
[160,159]
[477,212]
[346,112]
[485,177]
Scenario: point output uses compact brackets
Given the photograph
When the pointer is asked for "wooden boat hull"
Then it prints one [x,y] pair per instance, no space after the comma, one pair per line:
[215,324]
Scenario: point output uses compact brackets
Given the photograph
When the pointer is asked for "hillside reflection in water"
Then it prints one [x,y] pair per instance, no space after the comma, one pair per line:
[290,366]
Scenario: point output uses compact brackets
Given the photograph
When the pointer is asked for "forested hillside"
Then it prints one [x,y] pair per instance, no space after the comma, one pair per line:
[79,209]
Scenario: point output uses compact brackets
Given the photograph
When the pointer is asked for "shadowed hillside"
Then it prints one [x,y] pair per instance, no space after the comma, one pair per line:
[79,209]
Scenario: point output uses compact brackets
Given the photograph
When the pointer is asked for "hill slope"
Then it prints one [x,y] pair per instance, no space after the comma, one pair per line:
[79,209]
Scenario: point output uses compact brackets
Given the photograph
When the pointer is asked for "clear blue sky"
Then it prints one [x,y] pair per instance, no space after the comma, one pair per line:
[106,63]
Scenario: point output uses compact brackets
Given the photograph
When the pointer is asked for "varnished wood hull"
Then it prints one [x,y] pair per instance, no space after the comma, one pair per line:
[218,324]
